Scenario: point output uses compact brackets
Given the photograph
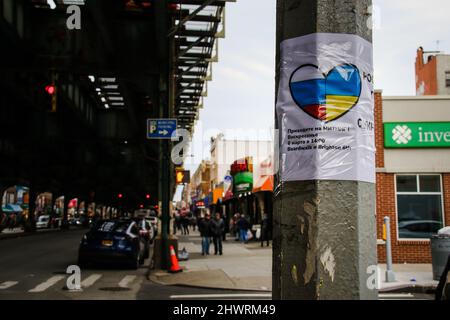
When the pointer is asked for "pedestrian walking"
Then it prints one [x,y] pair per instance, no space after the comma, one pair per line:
[185,221]
[174,222]
[244,226]
[236,218]
[12,221]
[192,220]
[205,232]
[217,231]
[265,229]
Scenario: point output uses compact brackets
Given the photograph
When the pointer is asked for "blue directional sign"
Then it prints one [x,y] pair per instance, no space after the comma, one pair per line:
[161,128]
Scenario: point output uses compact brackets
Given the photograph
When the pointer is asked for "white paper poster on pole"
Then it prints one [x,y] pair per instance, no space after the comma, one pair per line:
[325,108]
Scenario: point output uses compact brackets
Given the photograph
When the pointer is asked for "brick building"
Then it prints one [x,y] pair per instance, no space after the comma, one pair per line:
[432,73]
[413,172]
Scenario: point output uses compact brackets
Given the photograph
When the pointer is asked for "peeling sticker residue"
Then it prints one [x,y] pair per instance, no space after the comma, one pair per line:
[328,262]
[294,274]
[310,210]
[302,223]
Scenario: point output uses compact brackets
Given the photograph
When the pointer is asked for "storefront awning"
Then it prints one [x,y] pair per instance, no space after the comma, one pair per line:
[217,195]
[264,184]
[12,208]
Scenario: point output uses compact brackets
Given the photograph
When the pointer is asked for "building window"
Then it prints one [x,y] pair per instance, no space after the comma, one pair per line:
[419,206]
[447,79]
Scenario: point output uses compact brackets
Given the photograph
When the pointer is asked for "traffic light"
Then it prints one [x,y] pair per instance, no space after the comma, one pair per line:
[50,89]
[52,92]
[120,196]
[182,176]
[147,196]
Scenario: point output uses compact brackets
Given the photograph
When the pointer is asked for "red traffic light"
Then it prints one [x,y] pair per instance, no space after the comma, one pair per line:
[141,206]
[119,195]
[50,89]
[147,196]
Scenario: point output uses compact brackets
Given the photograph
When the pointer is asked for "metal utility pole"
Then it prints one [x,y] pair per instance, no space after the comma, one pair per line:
[162,26]
[324,229]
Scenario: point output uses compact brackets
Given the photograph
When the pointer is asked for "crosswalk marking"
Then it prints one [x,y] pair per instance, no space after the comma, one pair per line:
[126,281]
[229,295]
[89,281]
[47,284]
[7,284]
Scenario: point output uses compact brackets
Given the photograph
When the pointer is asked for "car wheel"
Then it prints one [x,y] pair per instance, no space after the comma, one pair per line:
[82,263]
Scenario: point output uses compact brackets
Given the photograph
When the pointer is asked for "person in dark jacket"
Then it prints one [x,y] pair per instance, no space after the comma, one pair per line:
[265,229]
[243,225]
[217,231]
[204,227]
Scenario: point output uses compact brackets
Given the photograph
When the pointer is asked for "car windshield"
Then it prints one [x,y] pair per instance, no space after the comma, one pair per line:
[112,226]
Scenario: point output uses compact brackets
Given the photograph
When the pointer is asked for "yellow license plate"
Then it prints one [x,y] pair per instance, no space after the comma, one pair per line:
[107,243]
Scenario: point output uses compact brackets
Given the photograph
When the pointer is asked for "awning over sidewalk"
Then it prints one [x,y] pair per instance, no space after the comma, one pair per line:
[264,184]
[12,208]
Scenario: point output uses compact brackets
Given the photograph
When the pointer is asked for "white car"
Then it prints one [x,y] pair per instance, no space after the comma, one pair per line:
[43,222]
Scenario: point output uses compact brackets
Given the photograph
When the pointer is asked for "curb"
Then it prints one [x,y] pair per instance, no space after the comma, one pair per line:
[152,279]
[410,288]
[28,234]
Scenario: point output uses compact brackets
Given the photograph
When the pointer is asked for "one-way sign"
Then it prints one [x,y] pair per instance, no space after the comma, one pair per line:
[161,128]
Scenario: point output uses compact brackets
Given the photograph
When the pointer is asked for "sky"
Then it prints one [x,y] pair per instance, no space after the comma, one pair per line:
[240,101]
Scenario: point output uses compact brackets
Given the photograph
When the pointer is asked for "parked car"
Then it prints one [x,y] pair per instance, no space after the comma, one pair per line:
[418,228]
[113,241]
[43,222]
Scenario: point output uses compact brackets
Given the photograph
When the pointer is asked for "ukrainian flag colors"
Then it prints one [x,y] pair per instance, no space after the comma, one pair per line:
[327,97]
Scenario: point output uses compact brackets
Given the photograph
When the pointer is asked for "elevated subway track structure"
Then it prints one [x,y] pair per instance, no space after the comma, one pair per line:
[107,76]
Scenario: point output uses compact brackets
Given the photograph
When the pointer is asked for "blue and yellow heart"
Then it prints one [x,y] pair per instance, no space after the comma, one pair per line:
[326,97]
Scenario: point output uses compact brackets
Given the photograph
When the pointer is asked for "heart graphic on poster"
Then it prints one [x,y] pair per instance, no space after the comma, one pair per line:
[329,96]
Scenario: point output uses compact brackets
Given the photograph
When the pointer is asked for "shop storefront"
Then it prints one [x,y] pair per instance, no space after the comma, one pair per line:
[242,173]
[413,173]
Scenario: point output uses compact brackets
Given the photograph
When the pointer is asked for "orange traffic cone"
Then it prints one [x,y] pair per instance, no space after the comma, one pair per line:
[174,267]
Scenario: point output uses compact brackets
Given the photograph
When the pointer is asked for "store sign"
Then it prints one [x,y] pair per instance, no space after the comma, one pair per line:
[325,108]
[417,135]
[243,182]
[200,204]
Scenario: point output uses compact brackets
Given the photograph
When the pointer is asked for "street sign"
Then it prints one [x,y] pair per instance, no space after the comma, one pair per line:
[417,135]
[161,128]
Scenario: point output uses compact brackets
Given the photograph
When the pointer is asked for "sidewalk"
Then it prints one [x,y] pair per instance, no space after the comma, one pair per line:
[241,267]
[249,267]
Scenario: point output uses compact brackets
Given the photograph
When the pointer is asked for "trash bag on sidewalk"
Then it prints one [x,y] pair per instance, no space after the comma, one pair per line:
[183,255]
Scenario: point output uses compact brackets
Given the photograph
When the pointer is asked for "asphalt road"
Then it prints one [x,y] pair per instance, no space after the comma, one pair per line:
[34,267]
